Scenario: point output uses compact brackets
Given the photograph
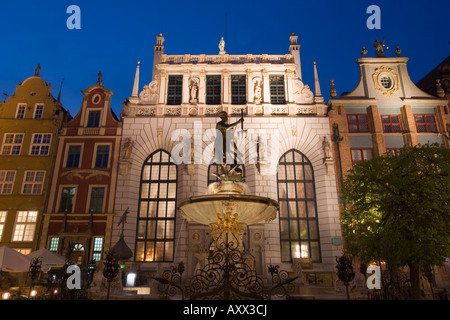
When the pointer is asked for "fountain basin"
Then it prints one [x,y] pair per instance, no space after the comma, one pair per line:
[249,209]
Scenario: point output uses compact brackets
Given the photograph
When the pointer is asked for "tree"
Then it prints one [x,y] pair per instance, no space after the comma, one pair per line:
[397,209]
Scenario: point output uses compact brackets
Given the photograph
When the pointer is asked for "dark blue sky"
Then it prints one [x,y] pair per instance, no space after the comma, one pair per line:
[115,34]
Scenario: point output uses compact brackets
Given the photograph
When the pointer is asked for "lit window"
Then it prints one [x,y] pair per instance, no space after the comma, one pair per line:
[40,144]
[7,181]
[73,157]
[277,93]
[425,123]
[299,226]
[357,123]
[33,182]
[25,226]
[97,249]
[361,154]
[93,119]
[21,111]
[67,198]
[12,144]
[102,157]
[38,112]
[2,222]
[54,243]
[155,236]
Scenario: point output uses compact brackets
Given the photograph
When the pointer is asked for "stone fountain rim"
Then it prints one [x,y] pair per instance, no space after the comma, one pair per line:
[228,197]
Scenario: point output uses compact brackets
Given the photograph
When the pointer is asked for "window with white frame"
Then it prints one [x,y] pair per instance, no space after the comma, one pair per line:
[38,111]
[54,243]
[2,222]
[12,144]
[33,182]
[40,144]
[25,226]
[97,249]
[7,181]
[21,111]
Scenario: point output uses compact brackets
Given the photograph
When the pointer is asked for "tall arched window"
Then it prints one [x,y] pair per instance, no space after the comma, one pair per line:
[155,236]
[299,229]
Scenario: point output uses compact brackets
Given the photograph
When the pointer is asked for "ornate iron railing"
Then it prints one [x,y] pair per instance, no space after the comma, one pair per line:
[226,276]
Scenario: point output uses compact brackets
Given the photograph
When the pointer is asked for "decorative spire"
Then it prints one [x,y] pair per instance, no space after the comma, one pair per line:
[318,95]
[36,71]
[294,49]
[100,78]
[60,88]
[333,92]
[136,81]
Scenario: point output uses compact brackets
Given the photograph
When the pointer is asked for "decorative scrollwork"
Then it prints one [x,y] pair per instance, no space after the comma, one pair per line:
[226,276]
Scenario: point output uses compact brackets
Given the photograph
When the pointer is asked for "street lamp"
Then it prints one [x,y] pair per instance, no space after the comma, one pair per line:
[111,269]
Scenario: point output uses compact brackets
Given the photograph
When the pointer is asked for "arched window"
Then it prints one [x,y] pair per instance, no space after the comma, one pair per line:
[299,229]
[155,236]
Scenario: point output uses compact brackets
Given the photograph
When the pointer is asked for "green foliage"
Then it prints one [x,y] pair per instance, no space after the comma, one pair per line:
[397,207]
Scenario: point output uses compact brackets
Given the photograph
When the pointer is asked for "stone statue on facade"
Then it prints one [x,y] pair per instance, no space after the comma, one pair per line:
[127,148]
[222,46]
[193,91]
[326,148]
[379,48]
[258,92]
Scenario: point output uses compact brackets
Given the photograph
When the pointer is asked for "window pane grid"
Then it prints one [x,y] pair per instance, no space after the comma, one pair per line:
[38,112]
[93,119]
[73,157]
[156,217]
[25,226]
[102,157]
[238,89]
[357,123]
[175,89]
[12,144]
[33,182]
[40,144]
[391,123]
[277,92]
[7,181]
[213,90]
[425,123]
[97,196]
[299,234]
[361,154]
[21,111]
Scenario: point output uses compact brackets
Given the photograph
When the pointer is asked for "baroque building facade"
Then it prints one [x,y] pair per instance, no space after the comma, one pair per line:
[79,214]
[386,112]
[30,123]
[167,156]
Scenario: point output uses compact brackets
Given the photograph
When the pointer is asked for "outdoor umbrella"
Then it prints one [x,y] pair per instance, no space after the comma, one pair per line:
[13,261]
[49,258]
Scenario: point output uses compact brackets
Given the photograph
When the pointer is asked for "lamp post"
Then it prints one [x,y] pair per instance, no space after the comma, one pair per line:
[345,271]
[111,269]
[35,268]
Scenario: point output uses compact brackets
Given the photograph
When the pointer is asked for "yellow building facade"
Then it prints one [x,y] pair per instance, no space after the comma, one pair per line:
[30,120]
